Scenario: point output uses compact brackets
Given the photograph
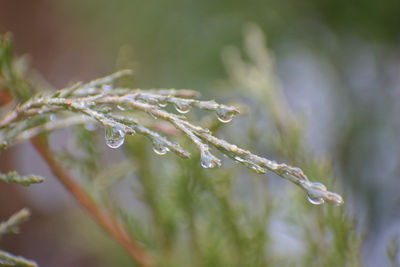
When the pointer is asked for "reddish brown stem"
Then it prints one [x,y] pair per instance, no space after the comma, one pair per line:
[109,223]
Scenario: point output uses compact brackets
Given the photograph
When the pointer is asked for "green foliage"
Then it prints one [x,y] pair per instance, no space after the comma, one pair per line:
[12,71]
[181,211]
[11,226]
[7,259]
[26,180]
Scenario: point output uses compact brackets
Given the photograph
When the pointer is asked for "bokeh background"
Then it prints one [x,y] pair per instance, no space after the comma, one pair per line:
[338,63]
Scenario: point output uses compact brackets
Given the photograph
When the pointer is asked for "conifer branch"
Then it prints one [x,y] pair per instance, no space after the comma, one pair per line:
[108,222]
[105,104]
[7,259]
[11,225]
[26,180]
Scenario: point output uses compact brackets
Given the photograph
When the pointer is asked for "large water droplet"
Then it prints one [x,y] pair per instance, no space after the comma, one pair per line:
[224,115]
[182,107]
[315,201]
[162,103]
[115,136]
[52,117]
[159,148]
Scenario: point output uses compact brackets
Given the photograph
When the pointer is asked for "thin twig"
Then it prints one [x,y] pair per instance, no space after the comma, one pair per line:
[11,225]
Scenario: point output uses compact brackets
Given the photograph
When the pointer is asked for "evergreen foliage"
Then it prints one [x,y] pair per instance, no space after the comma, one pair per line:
[195,216]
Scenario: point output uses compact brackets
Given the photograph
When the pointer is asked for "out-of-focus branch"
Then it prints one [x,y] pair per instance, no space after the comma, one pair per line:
[11,225]
[26,180]
[108,222]
[7,259]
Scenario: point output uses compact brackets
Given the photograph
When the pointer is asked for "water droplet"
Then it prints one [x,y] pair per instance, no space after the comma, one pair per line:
[314,198]
[273,164]
[159,148]
[115,136]
[257,168]
[107,87]
[121,108]
[338,201]
[224,115]
[208,160]
[315,201]
[162,104]
[239,159]
[182,107]
[52,117]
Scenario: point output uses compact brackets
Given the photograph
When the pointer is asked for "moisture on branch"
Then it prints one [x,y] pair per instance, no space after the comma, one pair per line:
[116,109]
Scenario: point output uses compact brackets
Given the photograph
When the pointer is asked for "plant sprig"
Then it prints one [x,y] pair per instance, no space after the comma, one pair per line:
[7,259]
[113,107]
[11,226]
[26,180]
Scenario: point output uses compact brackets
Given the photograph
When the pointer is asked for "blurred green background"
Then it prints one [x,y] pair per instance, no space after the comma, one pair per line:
[338,63]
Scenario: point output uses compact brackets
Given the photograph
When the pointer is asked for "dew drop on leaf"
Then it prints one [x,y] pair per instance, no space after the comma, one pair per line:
[159,148]
[315,201]
[208,160]
[224,115]
[182,107]
[115,136]
[162,104]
